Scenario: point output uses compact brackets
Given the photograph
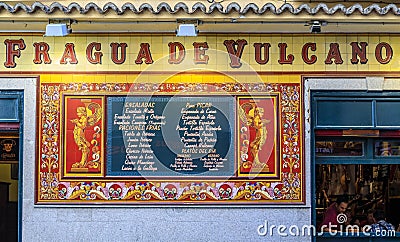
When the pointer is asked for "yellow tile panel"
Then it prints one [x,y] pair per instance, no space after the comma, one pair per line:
[217,53]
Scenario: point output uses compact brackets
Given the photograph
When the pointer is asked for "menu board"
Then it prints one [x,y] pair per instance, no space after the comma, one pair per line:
[170,136]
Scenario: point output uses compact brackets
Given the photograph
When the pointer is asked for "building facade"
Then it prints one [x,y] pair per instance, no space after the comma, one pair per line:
[197,120]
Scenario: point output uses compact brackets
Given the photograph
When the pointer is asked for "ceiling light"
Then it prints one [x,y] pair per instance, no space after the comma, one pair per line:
[315,27]
[59,27]
[57,30]
[187,30]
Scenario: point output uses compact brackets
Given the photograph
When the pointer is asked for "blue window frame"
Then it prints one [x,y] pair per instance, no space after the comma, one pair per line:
[359,129]
[11,112]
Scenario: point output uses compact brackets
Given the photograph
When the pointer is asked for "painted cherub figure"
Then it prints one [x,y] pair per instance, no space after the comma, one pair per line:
[254,119]
[85,119]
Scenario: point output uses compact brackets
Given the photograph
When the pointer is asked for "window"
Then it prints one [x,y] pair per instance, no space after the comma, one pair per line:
[356,142]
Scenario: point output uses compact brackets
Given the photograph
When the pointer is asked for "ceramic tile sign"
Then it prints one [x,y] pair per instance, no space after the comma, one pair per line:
[257,136]
[170,136]
[103,143]
[83,126]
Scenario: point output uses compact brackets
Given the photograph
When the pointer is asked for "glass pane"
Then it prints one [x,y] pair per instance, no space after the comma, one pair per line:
[338,148]
[8,109]
[387,148]
[388,113]
[344,113]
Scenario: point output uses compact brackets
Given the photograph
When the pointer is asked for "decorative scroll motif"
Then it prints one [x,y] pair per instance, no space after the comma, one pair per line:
[53,189]
[49,161]
[212,7]
[290,116]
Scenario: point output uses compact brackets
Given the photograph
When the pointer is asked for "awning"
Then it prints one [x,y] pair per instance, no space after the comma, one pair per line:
[204,7]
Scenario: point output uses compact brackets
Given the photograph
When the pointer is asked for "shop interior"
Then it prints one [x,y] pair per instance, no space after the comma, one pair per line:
[369,178]
[9,178]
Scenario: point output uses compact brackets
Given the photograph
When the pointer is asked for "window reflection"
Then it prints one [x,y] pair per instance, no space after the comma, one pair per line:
[339,148]
[387,148]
